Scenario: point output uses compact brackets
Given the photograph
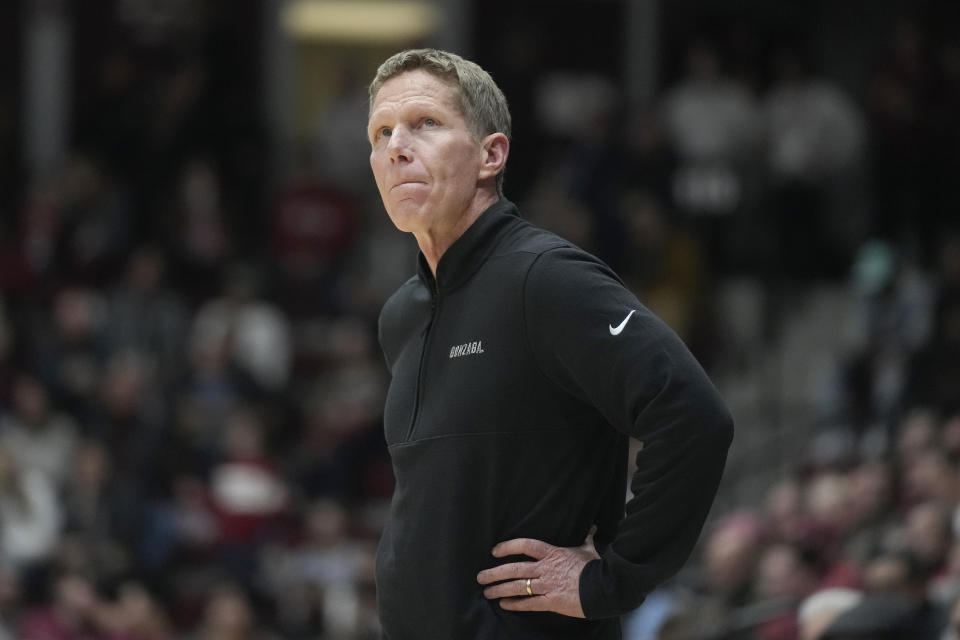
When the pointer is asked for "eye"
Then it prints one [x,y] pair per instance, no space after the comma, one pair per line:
[384,132]
[430,122]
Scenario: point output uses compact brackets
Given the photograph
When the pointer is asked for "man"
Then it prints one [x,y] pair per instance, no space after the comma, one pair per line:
[519,364]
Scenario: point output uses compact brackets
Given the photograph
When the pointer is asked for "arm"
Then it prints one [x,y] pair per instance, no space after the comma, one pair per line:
[645,383]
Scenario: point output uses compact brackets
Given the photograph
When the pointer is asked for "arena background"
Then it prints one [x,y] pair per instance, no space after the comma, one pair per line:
[193,256]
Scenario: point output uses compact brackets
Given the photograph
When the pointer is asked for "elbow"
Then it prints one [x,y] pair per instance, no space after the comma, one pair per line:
[716,429]
[723,427]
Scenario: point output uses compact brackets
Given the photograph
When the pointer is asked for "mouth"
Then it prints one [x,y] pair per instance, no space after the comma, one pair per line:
[406,183]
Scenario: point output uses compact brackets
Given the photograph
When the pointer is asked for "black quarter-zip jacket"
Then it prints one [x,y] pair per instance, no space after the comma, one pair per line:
[516,376]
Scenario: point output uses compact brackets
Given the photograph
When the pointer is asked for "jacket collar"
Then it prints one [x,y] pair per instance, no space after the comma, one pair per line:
[468,251]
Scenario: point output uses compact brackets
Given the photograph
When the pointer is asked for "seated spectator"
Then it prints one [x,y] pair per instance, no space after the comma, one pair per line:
[317,583]
[135,614]
[96,516]
[952,629]
[731,552]
[228,615]
[820,609]
[68,615]
[30,514]
[39,437]
[870,507]
[786,574]
[902,575]
[876,617]
[928,535]
[815,138]
[251,330]
[67,352]
[142,314]
[248,497]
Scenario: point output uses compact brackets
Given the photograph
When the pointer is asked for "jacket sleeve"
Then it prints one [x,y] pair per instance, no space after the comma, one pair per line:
[593,338]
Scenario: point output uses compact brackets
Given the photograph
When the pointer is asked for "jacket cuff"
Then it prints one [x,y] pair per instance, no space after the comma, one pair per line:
[605,595]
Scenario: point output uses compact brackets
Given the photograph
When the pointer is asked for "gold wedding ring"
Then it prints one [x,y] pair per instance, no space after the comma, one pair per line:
[529,588]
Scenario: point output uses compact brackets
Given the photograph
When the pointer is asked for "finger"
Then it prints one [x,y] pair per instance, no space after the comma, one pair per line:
[529,603]
[523,546]
[511,589]
[510,571]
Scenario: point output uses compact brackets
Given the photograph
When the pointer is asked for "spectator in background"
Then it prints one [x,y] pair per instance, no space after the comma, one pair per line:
[711,123]
[68,354]
[875,617]
[67,614]
[317,583]
[786,574]
[94,516]
[814,142]
[892,320]
[341,452]
[927,535]
[248,496]
[228,615]
[730,558]
[80,612]
[39,438]
[710,117]
[131,418]
[135,614]
[952,630]
[143,314]
[131,421]
[95,224]
[30,516]
[200,239]
[902,575]
[253,332]
[871,501]
[820,609]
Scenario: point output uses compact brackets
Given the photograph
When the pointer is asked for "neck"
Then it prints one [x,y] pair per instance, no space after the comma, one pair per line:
[434,242]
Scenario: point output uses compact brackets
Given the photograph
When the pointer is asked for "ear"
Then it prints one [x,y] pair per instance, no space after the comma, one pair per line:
[496,148]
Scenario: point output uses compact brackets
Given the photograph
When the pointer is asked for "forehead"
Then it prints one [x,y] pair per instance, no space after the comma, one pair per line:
[414,87]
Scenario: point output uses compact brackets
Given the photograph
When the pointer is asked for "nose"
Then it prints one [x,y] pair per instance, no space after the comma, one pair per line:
[398,146]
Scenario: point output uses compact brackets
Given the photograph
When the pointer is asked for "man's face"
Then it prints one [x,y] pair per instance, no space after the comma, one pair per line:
[424,158]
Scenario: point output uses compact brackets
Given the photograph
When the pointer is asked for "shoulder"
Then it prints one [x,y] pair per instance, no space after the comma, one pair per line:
[568,268]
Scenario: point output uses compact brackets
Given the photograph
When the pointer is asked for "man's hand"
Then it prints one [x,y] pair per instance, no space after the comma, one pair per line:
[554,577]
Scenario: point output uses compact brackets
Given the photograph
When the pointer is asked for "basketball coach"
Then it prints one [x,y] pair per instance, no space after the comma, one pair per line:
[519,367]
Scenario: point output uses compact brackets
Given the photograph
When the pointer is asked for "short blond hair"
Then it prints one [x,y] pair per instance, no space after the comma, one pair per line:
[478,97]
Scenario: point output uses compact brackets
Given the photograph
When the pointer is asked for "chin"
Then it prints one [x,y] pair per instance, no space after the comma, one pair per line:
[405,219]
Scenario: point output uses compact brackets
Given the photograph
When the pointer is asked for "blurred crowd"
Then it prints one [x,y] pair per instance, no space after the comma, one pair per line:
[191,386]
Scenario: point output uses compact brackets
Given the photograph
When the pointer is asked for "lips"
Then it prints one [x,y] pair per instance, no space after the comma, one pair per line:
[405,183]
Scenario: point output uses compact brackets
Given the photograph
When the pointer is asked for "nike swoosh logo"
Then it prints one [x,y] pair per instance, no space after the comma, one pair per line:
[615,331]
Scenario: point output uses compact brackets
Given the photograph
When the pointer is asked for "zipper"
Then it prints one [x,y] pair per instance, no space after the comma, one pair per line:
[417,399]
